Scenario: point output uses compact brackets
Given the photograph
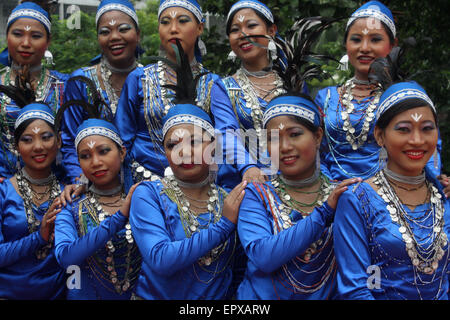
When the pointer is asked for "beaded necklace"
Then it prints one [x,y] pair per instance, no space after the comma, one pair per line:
[191,221]
[122,248]
[26,191]
[424,258]
[348,108]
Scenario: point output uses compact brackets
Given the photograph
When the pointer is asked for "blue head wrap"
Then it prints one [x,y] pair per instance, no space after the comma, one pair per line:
[97,127]
[377,10]
[187,114]
[25,10]
[251,4]
[124,6]
[35,111]
[400,92]
[292,106]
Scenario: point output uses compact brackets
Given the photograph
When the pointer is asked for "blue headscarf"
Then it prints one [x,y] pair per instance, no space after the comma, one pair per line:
[402,91]
[377,10]
[97,127]
[35,111]
[29,10]
[187,114]
[292,106]
[251,4]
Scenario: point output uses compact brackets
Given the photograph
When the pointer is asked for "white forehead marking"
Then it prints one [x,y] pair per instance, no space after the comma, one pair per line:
[180,133]
[281,126]
[365,31]
[241,18]
[112,22]
[91,144]
[173,14]
[416,117]
[27,28]
[36,130]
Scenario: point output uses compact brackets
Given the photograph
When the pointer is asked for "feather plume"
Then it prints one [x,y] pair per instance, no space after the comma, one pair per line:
[22,92]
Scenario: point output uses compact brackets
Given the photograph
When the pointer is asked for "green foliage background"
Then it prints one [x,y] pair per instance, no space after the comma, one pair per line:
[427,21]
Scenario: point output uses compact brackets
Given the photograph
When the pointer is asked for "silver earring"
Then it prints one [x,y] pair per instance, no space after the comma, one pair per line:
[232,56]
[272,50]
[343,63]
[202,47]
[48,58]
[382,158]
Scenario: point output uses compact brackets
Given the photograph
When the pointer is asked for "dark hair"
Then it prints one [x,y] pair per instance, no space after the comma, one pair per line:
[401,107]
[24,125]
[386,28]
[259,14]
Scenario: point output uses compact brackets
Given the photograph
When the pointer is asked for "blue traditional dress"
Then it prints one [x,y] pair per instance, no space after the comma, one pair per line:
[289,256]
[372,256]
[28,268]
[100,245]
[339,160]
[173,254]
[78,90]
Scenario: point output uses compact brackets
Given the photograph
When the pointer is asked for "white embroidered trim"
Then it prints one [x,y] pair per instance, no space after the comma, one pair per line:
[375,14]
[403,95]
[183,4]
[256,6]
[23,13]
[118,7]
[187,118]
[34,115]
[288,109]
[100,131]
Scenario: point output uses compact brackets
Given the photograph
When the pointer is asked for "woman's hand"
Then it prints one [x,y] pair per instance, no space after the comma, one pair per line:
[71,191]
[340,189]
[233,202]
[125,208]
[445,181]
[254,174]
[48,221]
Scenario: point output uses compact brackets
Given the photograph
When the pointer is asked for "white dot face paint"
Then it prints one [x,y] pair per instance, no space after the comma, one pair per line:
[416,117]
[241,18]
[36,130]
[91,144]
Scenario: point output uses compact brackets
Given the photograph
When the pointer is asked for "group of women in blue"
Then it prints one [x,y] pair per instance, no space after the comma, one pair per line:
[122,202]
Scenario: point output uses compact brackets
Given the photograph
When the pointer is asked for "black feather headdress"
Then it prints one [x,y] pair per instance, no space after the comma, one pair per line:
[298,63]
[21,92]
[186,87]
[94,108]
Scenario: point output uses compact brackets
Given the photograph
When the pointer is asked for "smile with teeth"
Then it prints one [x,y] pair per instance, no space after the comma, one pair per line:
[415,154]
[246,46]
[289,160]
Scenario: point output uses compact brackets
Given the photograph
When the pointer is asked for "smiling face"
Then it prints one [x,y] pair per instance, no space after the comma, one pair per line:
[101,160]
[365,42]
[118,38]
[38,146]
[189,152]
[179,23]
[246,21]
[410,140]
[27,41]
[296,147]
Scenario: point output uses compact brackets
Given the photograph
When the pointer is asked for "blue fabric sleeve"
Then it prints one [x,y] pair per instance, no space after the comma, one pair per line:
[70,249]
[163,254]
[351,247]
[11,252]
[71,120]
[127,110]
[268,251]
[321,99]
[227,124]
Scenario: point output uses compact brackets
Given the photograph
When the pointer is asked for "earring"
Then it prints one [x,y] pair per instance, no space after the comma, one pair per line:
[202,47]
[272,50]
[318,159]
[382,158]
[232,56]
[343,63]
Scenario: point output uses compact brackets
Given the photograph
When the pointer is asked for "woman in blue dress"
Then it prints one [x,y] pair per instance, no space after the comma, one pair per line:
[145,100]
[118,37]
[92,232]
[28,206]
[391,231]
[238,101]
[349,147]
[190,236]
[285,224]
[28,37]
